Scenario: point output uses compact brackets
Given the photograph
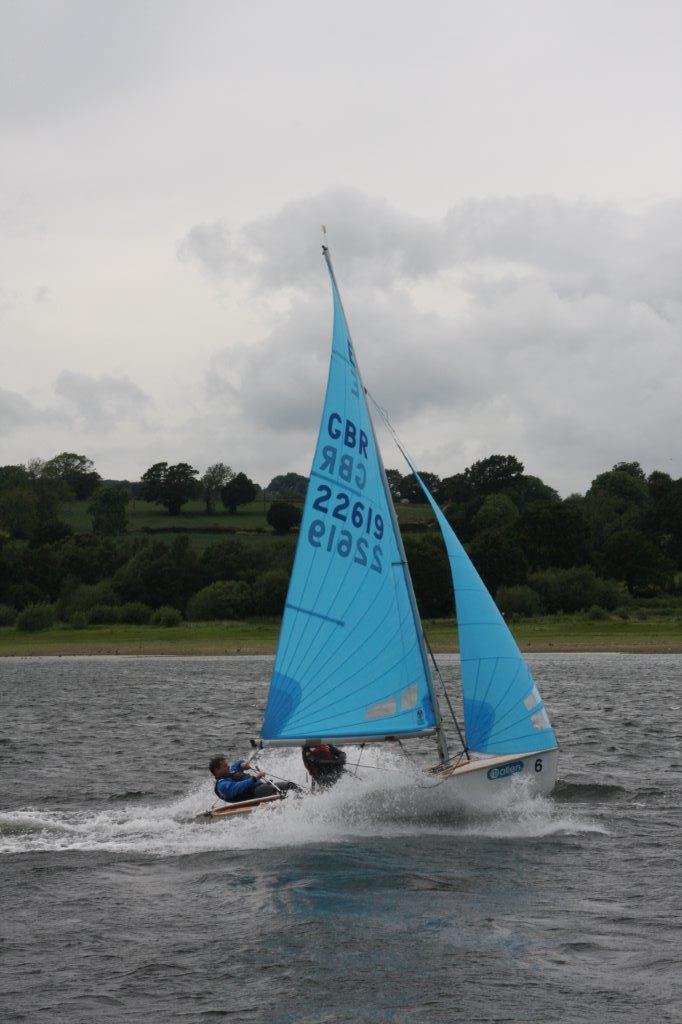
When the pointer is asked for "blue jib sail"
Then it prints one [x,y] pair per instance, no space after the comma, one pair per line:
[503,709]
[350,663]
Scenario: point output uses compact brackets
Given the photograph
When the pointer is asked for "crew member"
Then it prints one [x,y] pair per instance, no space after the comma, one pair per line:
[233,783]
[324,763]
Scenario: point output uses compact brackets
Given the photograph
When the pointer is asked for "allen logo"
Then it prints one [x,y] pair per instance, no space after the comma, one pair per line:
[505,770]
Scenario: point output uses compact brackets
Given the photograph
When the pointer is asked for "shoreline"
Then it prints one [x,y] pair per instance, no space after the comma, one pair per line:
[204,650]
[542,635]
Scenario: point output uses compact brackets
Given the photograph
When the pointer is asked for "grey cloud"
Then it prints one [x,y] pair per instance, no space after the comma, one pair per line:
[102,402]
[565,348]
[581,247]
[16,413]
[283,250]
[210,246]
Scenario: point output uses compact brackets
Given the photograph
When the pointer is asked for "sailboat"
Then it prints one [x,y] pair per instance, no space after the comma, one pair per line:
[352,663]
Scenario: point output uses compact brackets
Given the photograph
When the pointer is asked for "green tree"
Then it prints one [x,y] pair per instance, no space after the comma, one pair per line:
[215,478]
[631,468]
[159,575]
[282,516]
[430,572]
[664,521]
[14,476]
[107,509]
[616,500]
[411,489]
[456,489]
[520,600]
[289,485]
[553,534]
[76,471]
[497,512]
[226,599]
[576,589]
[19,512]
[395,481]
[659,484]
[269,593]
[631,556]
[496,473]
[498,559]
[531,488]
[225,560]
[238,491]
[170,486]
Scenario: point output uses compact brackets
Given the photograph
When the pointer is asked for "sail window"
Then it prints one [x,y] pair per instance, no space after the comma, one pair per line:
[540,720]
[533,698]
[384,709]
[408,698]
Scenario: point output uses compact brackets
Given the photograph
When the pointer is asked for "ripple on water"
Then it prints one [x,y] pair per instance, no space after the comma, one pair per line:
[375,902]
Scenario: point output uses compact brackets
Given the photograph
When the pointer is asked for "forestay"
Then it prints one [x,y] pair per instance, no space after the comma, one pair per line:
[503,710]
[350,662]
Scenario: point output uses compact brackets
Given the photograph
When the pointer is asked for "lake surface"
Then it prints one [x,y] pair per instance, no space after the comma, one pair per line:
[365,904]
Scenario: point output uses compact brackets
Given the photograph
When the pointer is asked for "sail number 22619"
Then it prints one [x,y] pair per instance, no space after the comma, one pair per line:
[342,542]
[368,528]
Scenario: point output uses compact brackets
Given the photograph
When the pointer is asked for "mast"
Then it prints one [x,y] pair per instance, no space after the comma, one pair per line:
[441,741]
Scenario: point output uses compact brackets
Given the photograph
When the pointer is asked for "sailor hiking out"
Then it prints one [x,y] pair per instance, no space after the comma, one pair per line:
[234,783]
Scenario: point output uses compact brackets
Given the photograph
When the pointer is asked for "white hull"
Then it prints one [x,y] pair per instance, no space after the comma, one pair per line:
[486,780]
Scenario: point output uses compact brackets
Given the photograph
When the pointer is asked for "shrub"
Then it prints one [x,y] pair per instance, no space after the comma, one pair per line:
[282,516]
[226,599]
[522,601]
[166,616]
[21,595]
[611,593]
[35,617]
[597,614]
[623,613]
[79,620]
[270,592]
[103,615]
[135,613]
[86,597]
[8,615]
[574,590]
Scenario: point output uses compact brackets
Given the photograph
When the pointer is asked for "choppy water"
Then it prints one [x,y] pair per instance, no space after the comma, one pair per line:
[376,902]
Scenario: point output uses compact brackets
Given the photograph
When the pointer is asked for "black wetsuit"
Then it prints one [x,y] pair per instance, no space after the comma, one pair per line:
[324,763]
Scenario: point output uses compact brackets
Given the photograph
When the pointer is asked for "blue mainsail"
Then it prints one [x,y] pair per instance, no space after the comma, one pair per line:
[503,709]
[350,662]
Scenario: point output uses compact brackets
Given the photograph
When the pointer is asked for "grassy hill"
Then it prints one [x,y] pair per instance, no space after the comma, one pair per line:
[249,523]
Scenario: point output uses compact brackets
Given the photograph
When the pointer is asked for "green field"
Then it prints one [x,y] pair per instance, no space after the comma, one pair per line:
[545,633]
[249,523]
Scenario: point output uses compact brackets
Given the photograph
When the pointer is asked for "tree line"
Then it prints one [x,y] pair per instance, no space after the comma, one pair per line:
[537,552]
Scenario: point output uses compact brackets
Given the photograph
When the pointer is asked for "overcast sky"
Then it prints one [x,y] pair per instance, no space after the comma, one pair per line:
[501,183]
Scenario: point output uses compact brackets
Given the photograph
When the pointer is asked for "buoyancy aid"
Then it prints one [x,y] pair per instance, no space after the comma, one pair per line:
[234,784]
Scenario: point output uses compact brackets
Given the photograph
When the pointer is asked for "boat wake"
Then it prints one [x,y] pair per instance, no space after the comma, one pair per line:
[388,798]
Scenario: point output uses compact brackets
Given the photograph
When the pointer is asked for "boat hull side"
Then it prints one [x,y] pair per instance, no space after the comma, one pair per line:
[487,780]
[242,807]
